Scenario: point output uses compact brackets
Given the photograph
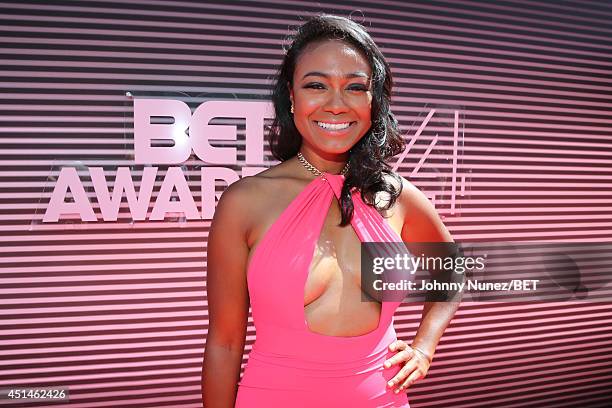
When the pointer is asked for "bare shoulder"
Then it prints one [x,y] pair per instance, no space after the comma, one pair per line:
[244,200]
[421,220]
[242,196]
[236,195]
[383,197]
[261,187]
[411,196]
[268,188]
[248,190]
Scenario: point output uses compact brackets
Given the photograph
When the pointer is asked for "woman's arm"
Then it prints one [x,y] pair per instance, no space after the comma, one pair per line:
[228,300]
[421,224]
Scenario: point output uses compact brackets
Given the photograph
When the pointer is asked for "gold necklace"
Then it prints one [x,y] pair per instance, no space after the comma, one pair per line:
[313,169]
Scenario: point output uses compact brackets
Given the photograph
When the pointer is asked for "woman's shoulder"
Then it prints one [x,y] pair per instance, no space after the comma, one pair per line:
[420,216]
[267,182]
[251,185]
[251,193]
[410,199]
[241,192]
[398,182]
[411,196]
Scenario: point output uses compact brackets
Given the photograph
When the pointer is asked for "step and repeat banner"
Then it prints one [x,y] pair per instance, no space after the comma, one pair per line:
[106,200]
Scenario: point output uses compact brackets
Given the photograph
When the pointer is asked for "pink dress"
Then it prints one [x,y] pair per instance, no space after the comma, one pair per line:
[289,365]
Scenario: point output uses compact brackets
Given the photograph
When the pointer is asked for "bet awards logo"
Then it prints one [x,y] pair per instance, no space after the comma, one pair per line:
[147,154]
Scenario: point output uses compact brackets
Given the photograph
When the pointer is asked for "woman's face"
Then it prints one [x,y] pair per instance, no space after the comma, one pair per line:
[332,96]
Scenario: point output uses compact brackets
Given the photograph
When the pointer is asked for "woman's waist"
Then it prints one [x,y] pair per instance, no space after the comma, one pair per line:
[363,378]
[304,349]
[275,372]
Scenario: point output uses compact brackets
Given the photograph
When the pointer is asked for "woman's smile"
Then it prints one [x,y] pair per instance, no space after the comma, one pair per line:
[335,128]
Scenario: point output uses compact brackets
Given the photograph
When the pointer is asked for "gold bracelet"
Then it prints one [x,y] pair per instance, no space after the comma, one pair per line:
[422,352]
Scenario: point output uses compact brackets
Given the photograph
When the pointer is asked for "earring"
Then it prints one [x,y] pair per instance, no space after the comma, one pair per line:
[291,108]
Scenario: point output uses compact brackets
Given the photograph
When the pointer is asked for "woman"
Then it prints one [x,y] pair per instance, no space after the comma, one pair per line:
[287,241]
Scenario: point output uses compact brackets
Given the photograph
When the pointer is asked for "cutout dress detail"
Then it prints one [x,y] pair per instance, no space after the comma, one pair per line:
[289,365]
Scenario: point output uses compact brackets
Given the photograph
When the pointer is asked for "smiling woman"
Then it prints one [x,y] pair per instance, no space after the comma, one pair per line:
[332,97]
[288,241]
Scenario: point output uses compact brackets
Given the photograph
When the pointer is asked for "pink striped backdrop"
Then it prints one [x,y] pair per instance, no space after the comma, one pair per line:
[507,108]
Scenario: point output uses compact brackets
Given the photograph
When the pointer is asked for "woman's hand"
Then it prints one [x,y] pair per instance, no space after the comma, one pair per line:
[415,365]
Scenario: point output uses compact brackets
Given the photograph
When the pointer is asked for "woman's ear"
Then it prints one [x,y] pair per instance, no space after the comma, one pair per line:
[290,92]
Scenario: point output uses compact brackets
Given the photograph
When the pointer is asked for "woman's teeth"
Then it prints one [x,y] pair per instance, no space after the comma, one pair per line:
[334,126]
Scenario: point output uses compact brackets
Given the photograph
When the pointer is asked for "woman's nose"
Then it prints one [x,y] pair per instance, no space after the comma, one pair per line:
[335,103]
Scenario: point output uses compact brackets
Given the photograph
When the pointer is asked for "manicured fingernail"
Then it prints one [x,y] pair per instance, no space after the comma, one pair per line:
[396,391]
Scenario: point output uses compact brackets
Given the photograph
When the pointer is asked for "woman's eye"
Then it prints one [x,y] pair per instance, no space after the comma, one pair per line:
[314,86]
[360,88]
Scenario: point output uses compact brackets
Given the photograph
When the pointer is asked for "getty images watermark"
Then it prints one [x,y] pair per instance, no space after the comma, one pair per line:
[497,271]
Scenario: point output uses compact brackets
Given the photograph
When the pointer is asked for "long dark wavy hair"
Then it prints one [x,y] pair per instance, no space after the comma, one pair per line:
[383,140]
